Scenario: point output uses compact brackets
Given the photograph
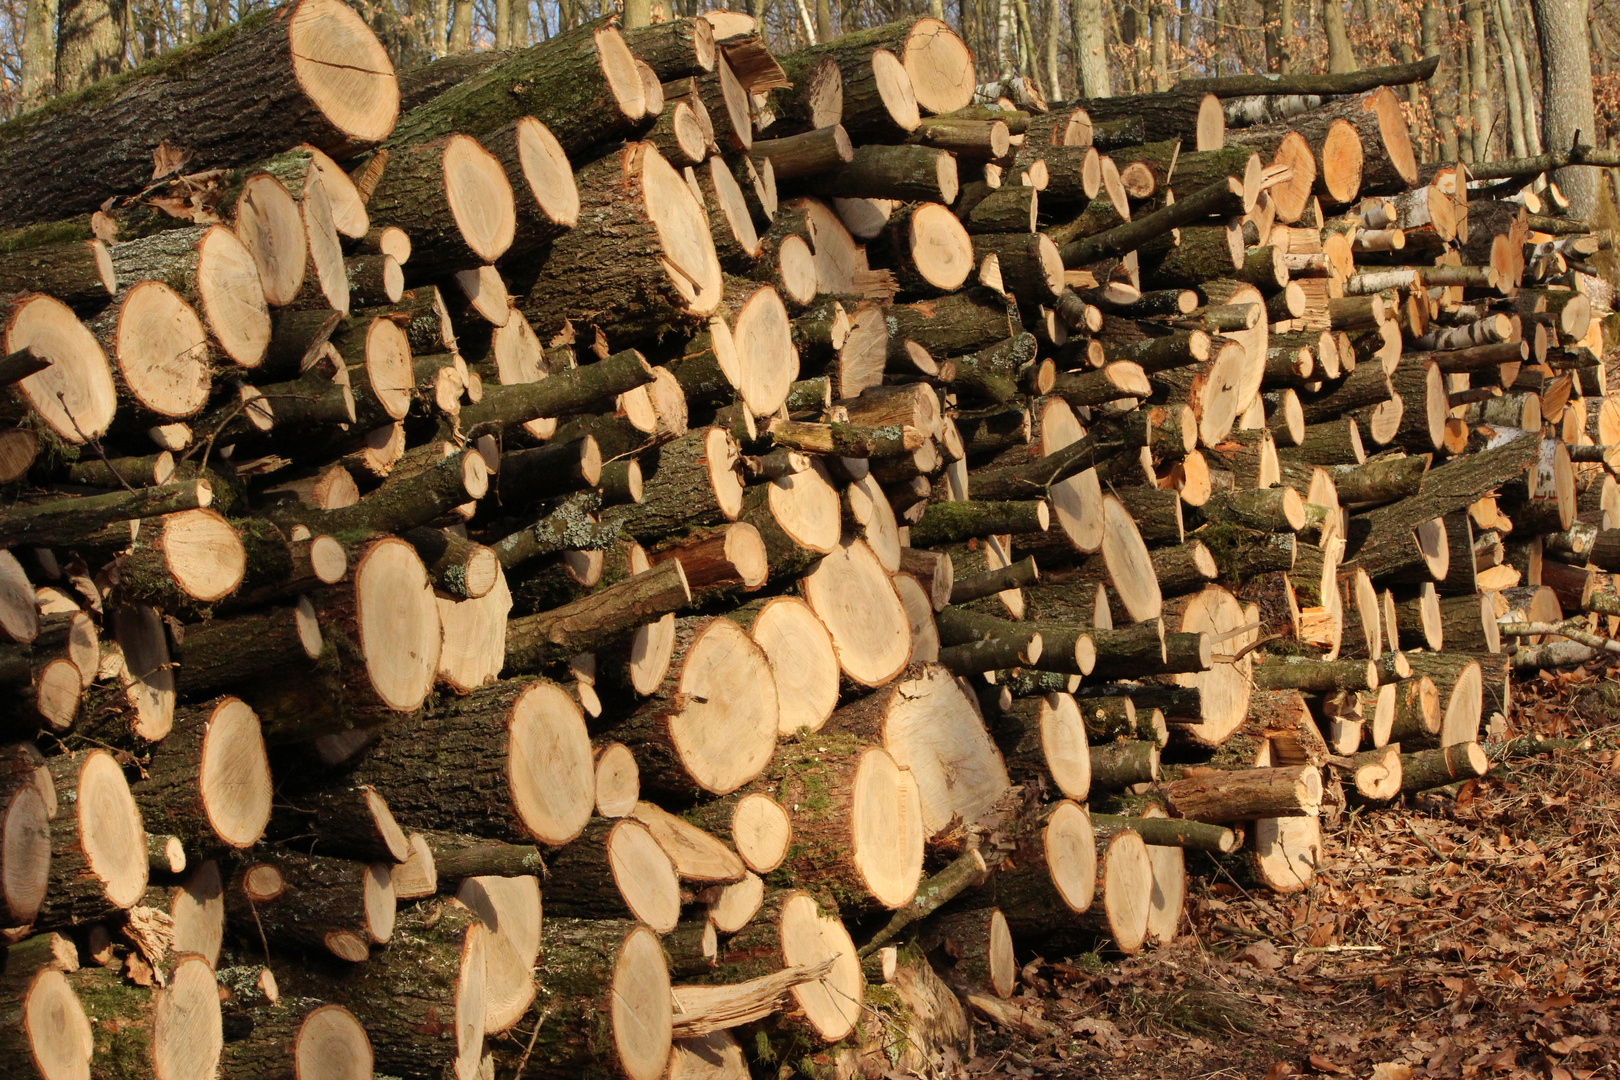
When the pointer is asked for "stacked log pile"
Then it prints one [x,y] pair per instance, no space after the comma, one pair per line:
[766,510]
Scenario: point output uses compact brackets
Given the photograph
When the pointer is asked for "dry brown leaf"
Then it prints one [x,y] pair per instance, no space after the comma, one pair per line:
[167,160]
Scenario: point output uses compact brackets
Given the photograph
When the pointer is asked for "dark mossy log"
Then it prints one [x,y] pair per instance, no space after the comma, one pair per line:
[1437,768]
[1332,442]
[276,1040]
[957,323]
[1243,554]
[791,933]
[615,869]
[183,563]
[1027,479]
[1386,479]
[640,264]
[1043,737]
[596,619]
[551,469]
[1155,353]
[710,726]
[981,946]
[422,1001]
[459,568]
[673,49]
[1221,796]
[569,524]
[1315,676]
[814,100]
[1468,624]
[1133,651]
[457,856]
[415,494]
[97,855]
[1177,832]
[78,273]
[1061,647]
[69,521]
[1110,718]
[1381,537]
[148,471]
[454,199]
[845,440]
[208,782]
[576,390]
[583,85]
[282,60]
[313,902]
[602,1001]
[1224,198]
[49,1035]
[1052,877]
[1001,210]
[821,150]
[1117,380]
[951,522]
[1269,509]
[348,821]
[996,374]
[1031,270]
[476,765]
[977,586]
[694,481]
[1019,650]
[1205,252]
[855,819]
[1367,385]
[1121,764]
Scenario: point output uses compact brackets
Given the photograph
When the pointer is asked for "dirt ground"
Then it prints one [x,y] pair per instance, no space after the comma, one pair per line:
[1466,934]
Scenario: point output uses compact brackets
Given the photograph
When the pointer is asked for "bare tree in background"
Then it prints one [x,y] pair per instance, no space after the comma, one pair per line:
[1340,57]
[89,42]
[1567,108]
[39,51]
[1091,35]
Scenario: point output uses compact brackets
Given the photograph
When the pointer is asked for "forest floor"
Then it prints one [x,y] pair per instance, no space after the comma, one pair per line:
[1474,934]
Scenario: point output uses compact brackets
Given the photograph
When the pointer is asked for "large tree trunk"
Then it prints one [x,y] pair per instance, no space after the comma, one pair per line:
[1090,34]
[273,59]
[89,42]
[1566,94]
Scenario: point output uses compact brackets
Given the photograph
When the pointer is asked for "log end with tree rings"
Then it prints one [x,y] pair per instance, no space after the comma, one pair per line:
[25,854]
[803,662]
[234,780]
[1225,687]
[546,173]
[269,224]
[398,618]
[19,447]
[940,66]
[1341,157]
[645,875]
[1393,130]
[1211,125]
[161,351]
[343,198]
[203,553]
[58,689]
[198,910]
[852,595]
[896,90]
[110,830]
[726,729]
[761,832]
[886,829]
[1064,745]
[1286,851]
[325,252]
[332,1045]
[187,1028]
[480,197]
[57,1030]
[939,247]
[767,361]
[686,245]
[1070,854]
[732,206]
[552,774]
[796,266]
[418,876]
[389,376]
[641,1008]
[1169,899]
[1127,890]
[698,857]
[809,938]
[932,726]
[75,396]
[509,908]
[379,903]
[1130,564]
[1291,196]
[327,559]
[618,781]
[344,71]
[485,290]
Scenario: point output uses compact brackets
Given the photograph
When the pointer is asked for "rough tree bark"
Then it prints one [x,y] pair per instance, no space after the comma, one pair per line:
[1566,94]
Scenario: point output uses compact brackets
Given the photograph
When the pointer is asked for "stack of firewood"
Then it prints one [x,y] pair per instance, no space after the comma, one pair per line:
[771,509]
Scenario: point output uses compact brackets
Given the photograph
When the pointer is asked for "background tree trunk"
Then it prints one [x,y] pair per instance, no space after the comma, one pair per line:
[1340,58]
[89,42]
[39,51]
[1089,33]
[1566,94]
[1479,76]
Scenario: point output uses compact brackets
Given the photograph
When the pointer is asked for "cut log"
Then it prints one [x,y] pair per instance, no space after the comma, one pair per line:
[314,902]
[209,780]
[98,862]
[1219,796]
[615,870]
